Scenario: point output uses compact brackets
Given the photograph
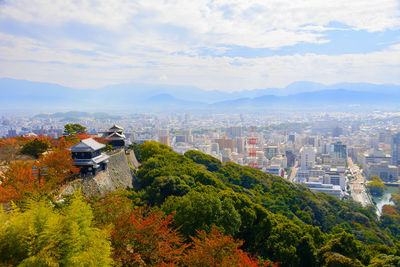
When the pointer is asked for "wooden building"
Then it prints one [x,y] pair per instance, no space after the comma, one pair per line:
[87,155]
[116,137]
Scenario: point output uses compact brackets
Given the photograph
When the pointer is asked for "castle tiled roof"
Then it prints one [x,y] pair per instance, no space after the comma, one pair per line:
[87,145]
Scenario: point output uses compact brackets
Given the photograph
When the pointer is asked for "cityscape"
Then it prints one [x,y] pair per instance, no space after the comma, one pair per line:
[335,153]
[207,133]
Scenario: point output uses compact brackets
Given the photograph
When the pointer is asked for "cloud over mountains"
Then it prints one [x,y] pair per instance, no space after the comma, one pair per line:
[224,45]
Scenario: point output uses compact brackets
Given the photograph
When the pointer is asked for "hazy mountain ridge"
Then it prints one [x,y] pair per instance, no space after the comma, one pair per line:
[22,94]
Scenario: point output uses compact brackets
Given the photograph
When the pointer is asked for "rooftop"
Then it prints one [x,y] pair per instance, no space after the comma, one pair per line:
[116,128]
[87,145]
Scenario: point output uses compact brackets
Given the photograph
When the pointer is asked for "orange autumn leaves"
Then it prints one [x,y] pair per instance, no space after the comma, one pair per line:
[143,236]
[18,179]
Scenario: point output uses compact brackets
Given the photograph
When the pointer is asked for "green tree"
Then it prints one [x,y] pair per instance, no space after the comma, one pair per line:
[43,236]
[73,129]
[343,248]
[376,187]
[384,260]
[35,147]
[165,186]
[201,210]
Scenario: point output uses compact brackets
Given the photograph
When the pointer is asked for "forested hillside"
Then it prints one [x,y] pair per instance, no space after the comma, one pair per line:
[193,210]
[277,219]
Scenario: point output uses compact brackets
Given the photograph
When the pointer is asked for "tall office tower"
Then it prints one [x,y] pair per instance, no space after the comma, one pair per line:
[225,143]
[188,135]
[215,148]
[307,157]
[292,138]
[271,151]
[338,151]
[290,158]
[310,140]
[164,139]
[239,144]
[385,136]
[396,149]
[234,131]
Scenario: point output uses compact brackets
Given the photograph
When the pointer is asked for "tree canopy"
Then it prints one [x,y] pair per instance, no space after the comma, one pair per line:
[35,147]
[73,129]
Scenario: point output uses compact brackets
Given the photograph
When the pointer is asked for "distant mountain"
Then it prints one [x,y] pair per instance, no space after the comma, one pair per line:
[134,97]
[335,99]
[78,114]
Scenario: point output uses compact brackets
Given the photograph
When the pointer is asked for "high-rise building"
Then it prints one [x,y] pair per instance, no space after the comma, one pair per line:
[290,158]
[188,135]
[225,143]
[338,151]
[239,144]
[310,140]
[271,151]
[395,149]
[180,139]
[215,148]
[385,136]
[234,131]
[12,133]
[307,157]
[226,155]
[165,140]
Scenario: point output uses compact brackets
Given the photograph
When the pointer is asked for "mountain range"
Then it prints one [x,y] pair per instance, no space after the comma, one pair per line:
[25,95]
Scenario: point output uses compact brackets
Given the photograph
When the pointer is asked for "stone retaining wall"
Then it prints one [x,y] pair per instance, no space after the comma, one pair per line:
[117,176]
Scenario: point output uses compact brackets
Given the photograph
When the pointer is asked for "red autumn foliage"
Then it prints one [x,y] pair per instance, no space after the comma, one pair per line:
[17,181]
[389,210]
[59,166]
[108,210]
[82,136]
[217,249]
[144,237]
[10,147]
[65,142]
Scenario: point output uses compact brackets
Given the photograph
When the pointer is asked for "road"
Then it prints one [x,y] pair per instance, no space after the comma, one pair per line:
[357,186]
[293,172]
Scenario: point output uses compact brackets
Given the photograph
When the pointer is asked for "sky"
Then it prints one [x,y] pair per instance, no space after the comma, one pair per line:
[226,45]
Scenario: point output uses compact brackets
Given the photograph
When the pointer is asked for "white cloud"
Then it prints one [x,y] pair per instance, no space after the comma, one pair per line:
[24,60]
[256,23]
[159,41]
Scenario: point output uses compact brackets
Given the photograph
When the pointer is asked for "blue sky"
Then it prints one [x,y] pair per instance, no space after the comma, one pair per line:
[226,45]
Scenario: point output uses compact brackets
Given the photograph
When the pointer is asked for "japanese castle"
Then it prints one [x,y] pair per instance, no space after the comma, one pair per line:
[115,135]
[88,156]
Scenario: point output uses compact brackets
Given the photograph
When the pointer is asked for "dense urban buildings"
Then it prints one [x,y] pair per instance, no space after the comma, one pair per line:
[311,148]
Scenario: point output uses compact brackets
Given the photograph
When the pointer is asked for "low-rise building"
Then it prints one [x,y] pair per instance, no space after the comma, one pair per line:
[334,190]
[388,173]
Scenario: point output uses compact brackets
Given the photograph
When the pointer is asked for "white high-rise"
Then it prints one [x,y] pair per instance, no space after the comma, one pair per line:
[307,157]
